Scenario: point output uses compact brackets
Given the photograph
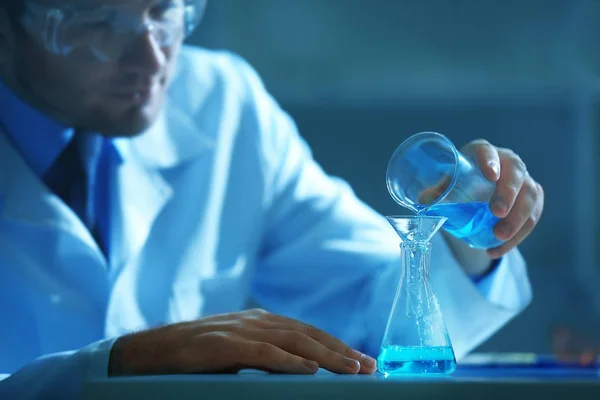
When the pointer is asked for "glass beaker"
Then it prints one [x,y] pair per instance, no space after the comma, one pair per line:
[416,340]
[429,176]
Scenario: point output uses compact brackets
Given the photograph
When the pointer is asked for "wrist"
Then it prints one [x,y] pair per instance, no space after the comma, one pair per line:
[141,353]
[476,263]
[115,359]
[490,269]
[129,355]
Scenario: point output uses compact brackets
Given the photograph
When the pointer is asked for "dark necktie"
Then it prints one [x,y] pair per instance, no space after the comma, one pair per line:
[73,178]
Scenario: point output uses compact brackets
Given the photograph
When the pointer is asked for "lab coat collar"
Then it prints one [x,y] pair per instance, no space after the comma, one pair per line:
[173,139]
[142,191]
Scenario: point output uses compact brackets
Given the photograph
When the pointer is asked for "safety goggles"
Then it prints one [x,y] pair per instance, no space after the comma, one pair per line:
[104,29]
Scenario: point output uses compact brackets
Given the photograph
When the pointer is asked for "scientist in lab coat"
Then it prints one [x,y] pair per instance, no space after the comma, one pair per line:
[149,190]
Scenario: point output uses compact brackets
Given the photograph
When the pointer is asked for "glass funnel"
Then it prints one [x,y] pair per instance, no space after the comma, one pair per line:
[416,340]
[428,175]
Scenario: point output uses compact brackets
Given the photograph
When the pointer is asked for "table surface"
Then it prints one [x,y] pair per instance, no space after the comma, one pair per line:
[465,383]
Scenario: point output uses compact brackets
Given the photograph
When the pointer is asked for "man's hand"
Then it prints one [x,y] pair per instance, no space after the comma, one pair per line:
[518,199]
[227,343]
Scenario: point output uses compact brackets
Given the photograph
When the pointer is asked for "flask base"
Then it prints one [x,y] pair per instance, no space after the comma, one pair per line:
[403,360]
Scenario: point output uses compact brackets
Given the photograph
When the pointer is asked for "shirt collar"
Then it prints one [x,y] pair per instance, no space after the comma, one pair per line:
[38,137]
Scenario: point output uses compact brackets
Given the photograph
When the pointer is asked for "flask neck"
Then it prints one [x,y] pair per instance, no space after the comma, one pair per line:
[415,260]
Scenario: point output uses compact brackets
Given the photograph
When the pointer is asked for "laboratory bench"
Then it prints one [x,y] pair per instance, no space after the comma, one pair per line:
[465,383]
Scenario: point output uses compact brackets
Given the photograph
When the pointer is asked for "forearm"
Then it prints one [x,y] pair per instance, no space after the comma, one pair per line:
[474,262]
[475,311]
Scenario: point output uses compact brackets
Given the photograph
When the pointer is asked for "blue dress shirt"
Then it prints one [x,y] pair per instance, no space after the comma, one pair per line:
[43,142]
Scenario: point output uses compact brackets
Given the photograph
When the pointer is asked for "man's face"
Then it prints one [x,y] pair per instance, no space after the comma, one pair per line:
[121,97]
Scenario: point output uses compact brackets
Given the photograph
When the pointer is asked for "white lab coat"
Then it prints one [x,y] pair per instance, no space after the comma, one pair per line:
[218,203]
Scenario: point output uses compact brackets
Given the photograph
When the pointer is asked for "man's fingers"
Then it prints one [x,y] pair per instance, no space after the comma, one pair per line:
[522,211]
[297,343]
[526,228]
[487,158]
[512,174]
[367,364]
[266,356]
[499,251]
[317,334]
[323,337]
[262,326]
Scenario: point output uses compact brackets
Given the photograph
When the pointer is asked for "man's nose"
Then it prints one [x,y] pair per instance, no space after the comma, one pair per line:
[144,54]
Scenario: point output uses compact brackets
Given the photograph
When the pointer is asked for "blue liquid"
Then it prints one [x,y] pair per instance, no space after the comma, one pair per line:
[399,360]
[471,222]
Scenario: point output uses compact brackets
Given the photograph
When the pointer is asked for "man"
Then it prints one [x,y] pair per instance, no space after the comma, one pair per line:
[148,191]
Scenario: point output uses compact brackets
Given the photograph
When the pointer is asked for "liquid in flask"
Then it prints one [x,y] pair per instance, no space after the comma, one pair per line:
[416,340]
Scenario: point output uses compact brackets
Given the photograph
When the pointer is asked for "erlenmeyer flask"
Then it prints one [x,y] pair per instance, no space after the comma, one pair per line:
[416,340]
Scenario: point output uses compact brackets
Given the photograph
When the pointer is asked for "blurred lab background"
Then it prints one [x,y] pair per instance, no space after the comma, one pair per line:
[360,76]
